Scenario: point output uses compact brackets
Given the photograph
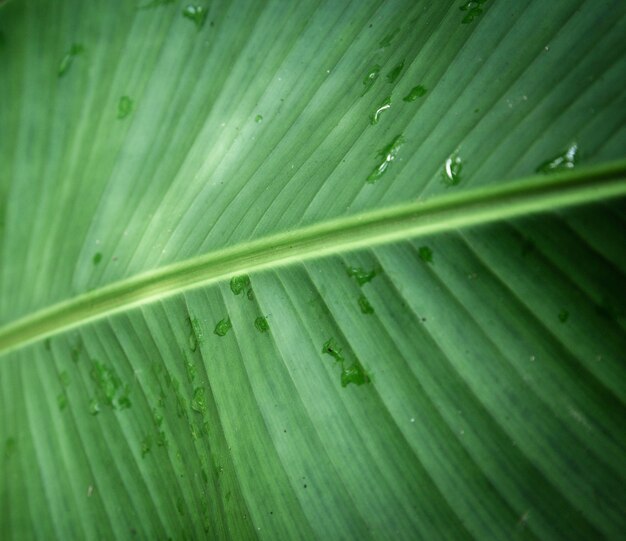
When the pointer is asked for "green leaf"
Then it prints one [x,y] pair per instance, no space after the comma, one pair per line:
[292,270]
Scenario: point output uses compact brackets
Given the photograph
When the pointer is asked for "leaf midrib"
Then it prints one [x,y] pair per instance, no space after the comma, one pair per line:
[483,205]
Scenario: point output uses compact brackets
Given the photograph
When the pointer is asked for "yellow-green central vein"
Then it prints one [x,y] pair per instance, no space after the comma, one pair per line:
[480,206]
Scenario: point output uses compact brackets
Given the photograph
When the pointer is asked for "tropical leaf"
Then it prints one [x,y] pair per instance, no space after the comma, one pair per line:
[344,270]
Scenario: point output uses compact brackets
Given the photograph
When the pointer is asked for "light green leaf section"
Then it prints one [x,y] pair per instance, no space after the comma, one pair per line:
[424,338]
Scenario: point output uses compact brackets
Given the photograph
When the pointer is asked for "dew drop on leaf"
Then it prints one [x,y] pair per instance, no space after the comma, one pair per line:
[261,324]
[370,78]
[355,373]
[330,348]
[223,326]
[258,119]
[64,378]
[195,333]
[383,106]
[197,14]
[62,401]
[94,407]
[416,92]
[198,403]
[386,155]
[452,170]
[238,284]
[361,275]
[190,368]
[473,8]
[146,445]
[365,305]
[161,439]
[386,41]
[562,162]
[68,59]
[124,107]
[395,72]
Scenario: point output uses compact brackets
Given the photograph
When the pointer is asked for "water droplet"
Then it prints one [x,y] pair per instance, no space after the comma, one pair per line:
[146,445]
[258,119]
[66,62]
[386,41]
[75,352]
[198,402]
[563,316]
[426,254]
[97,258]
[109,389]
[223,326]
[365,305]
[416,92]
[361,275]
[62,401]
[124,107]
[386,154]
[123,402]
[64,378]
[195,333]
[161,439]
[370,78]
[195,431]
[238,284]
[261,324]
[197,14]
[355,373]
[191,370]
[94,407]
[452,170]
[474,9]
[395,72]
[564,161]
[384,105]
[330,348]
